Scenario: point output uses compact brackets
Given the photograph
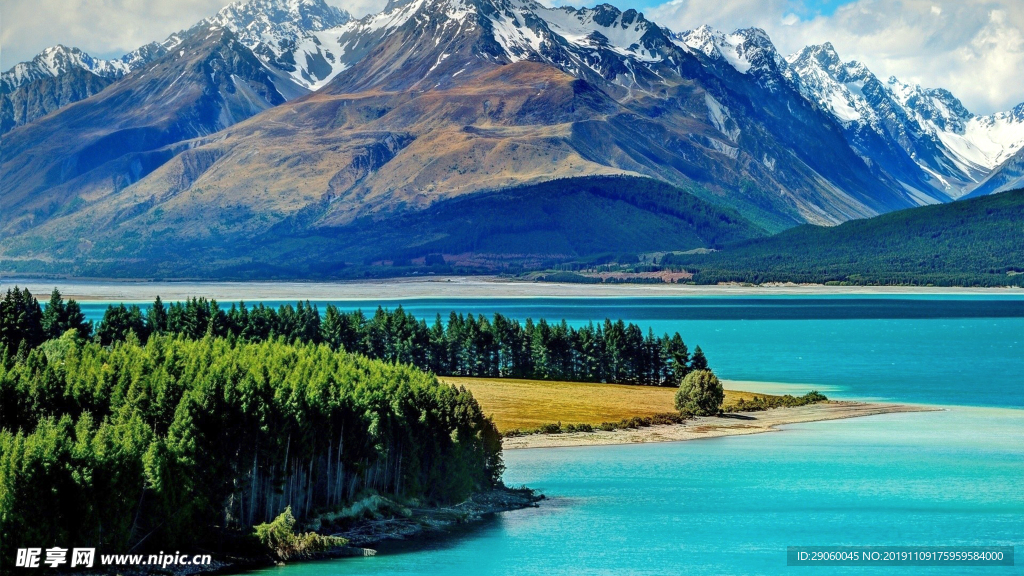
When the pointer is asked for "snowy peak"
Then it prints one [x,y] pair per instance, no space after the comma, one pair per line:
[936,106]
[271,18]
[626,33]
[58,60]
[594,42]
[525,29]
[974,144]
[954,147]
[843,89]
[1017,114]
[285,35]
[824,55]
[824,58]
[749,50]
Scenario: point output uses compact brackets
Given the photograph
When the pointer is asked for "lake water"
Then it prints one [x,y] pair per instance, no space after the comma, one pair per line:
[732,505]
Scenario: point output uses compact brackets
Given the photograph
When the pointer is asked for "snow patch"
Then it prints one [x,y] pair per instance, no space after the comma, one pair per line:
[720,119]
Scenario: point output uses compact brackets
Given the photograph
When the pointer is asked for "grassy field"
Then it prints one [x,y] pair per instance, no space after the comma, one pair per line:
[527,404]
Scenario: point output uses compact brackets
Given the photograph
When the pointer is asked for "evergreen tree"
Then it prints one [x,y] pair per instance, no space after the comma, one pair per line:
[699,362]
[74,319]
[21,321]
[53,315]
[156,317]
[119,321]
[679,359]
[59,317]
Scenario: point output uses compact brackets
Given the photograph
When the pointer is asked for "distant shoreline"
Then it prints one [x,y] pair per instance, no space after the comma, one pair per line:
[734,424]
[468,287]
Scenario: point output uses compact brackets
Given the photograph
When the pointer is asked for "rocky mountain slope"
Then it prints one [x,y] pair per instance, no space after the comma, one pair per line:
[104,144]
[1007,176]
[283,34]
[59,76]
[900,126]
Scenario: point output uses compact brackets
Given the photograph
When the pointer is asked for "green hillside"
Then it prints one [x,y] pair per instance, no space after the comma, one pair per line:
[523,227]
[976,242]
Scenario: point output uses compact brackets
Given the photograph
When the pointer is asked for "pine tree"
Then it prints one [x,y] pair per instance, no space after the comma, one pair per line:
[21,321]
[679,358]
[156,317]
[54,316]
[699,362]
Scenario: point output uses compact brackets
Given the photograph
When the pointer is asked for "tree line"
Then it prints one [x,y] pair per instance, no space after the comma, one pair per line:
[464,345]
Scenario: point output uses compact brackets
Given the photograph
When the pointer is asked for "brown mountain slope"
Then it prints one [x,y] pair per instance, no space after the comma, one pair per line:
[105,143]
[513,125]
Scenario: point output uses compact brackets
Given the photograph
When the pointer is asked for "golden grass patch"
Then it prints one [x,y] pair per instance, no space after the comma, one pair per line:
[527,404]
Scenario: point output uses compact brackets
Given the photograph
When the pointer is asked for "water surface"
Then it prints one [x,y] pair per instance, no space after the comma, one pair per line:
[732,505]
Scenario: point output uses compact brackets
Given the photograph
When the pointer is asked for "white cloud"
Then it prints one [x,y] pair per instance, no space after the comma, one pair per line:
[109,28]
[973,48]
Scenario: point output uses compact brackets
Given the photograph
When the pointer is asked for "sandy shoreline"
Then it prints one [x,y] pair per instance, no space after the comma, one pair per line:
[441,287]
[737,424]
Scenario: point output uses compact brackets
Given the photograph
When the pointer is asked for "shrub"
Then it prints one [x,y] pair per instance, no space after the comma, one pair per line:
[667,419]
[280,539]
[759,403]
[550,429]
[700,393]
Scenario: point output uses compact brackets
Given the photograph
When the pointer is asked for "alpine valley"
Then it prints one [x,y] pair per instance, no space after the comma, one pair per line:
[285,138]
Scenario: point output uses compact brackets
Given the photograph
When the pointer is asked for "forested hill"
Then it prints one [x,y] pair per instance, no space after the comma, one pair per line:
[976,242]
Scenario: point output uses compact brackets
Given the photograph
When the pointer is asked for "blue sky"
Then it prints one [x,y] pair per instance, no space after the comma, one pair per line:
[974,48]
[804,9]
[819,7]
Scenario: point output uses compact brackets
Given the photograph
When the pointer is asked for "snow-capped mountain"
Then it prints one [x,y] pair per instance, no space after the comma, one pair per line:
[924,138]
[954,148]
[293,36]
[60,59]
[433,103]
[975,143]
[749,51]
[284,35]
[601,42]
[528,30]
[59,76]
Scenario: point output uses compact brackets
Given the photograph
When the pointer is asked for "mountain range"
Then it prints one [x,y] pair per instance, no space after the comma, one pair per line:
[286,138]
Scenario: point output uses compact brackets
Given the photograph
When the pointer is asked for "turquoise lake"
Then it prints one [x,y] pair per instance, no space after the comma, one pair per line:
[733,505]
